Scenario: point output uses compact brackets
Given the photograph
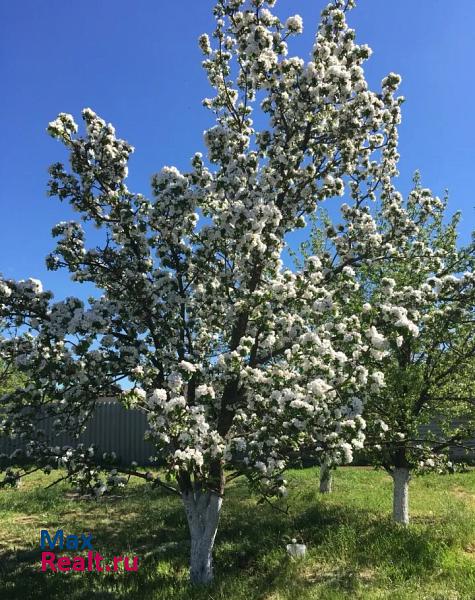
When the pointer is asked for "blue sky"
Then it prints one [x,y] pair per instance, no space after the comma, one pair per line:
[137,64]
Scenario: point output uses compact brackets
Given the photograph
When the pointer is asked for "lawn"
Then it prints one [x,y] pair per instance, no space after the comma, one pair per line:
[354,551]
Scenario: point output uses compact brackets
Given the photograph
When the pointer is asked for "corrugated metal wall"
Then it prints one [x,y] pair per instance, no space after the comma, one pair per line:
[113,428]
[116,429]
[455,452]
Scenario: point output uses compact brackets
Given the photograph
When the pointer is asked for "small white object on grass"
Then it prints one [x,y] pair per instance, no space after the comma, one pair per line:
[296,550]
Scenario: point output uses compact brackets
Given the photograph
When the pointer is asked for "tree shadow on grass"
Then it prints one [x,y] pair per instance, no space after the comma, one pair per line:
[365,539]
[144,523]
[345,546]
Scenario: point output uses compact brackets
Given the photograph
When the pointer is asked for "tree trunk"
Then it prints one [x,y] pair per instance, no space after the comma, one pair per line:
[202,512]
[326,479]
[401,477]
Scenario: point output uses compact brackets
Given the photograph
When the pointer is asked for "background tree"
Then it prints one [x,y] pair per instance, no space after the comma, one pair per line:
[421,306]
[10,378]
[434,288]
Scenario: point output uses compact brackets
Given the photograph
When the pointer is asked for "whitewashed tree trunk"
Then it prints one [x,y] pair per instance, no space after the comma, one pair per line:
[202,512]
[326,479]
[401,477]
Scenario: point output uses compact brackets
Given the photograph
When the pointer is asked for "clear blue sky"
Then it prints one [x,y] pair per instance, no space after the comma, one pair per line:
[136,63]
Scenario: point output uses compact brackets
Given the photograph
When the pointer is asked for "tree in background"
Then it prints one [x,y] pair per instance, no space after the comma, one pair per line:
[434,287]
[421,309]
[10,377]
[237,360]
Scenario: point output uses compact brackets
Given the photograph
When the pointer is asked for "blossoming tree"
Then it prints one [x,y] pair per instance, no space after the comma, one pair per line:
[419,307]
[423,310]
[237,360]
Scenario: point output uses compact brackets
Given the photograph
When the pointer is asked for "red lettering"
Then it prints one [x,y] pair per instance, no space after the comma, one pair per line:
[64,564]
[47,559]
[79,563]
[134,566]
[97,560]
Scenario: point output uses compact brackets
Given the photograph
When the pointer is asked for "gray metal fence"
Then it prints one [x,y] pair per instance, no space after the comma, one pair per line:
[112,428]
[464,454]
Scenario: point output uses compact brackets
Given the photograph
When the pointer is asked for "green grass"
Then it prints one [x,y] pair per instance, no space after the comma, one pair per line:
[354,551]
